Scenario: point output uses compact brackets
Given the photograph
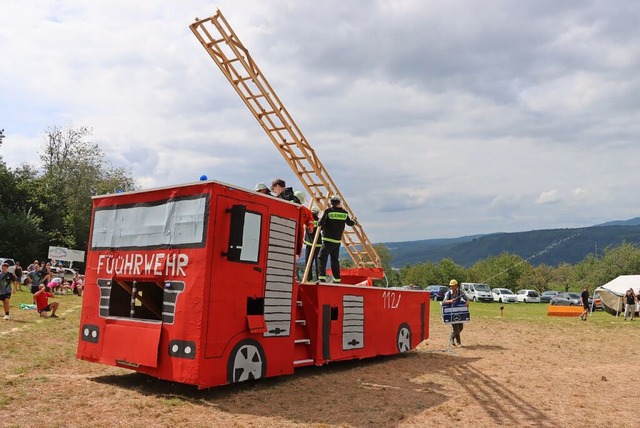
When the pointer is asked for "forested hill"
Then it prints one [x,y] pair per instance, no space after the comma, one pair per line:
[551,247]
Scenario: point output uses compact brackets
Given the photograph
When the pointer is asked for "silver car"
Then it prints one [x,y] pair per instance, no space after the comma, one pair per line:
[566,299]
[528,296]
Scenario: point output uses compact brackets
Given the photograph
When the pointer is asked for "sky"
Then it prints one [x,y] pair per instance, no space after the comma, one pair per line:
[435,119]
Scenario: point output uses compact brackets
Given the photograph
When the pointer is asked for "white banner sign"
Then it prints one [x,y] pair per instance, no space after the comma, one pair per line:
[65,254]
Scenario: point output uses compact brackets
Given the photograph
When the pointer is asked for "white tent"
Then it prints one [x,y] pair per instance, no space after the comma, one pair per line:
[613,291]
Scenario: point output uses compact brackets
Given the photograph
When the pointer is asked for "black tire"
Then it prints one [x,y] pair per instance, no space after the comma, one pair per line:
[246,362]
[403,339]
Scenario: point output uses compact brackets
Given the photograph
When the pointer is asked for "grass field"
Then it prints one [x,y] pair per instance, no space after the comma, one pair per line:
[518,368]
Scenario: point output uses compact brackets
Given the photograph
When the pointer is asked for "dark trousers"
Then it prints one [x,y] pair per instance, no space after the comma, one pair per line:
[455,333]
[314,270]
[330,249]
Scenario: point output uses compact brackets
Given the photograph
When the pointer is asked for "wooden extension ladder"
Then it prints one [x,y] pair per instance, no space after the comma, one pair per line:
[235,62]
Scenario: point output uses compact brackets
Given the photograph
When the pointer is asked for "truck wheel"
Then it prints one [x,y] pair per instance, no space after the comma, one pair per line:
[246,362]
[404,338]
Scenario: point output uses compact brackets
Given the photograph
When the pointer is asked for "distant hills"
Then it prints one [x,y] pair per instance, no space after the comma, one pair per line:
[551,247]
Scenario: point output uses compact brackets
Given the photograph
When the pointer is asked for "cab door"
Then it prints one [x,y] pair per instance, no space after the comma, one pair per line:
[237,277]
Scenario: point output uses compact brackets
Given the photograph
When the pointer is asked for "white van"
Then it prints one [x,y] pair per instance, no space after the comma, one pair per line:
[477,292]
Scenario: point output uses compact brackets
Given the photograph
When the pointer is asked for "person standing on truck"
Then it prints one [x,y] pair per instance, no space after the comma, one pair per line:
[455,297]
[6,284]
[280,190]
[262,188]
[312,252]
[332,224]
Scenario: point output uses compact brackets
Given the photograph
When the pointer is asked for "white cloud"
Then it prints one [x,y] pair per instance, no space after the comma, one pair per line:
[551,197]
[434,119]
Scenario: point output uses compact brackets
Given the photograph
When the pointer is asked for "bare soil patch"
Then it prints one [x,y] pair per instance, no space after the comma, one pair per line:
[511,372]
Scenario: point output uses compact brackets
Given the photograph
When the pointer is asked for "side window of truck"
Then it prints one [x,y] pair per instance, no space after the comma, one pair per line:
[244,235]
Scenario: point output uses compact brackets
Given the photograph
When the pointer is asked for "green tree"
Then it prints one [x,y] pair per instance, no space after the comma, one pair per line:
[74,170]
[21,234]
[539,278]
[564,276]
[449,270]
[621,260]
[392,277]
[503,271]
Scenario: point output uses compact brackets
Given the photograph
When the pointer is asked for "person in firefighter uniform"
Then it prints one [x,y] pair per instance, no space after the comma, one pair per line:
[332,223]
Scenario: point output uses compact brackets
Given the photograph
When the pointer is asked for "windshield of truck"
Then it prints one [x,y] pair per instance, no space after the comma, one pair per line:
[179,222]
[483,287]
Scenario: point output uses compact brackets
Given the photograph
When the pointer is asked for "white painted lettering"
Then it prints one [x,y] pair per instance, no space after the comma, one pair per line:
[128,262]
[109,269]
[148,262]
[137,264]
[170,269]
[158,265]
[183,261]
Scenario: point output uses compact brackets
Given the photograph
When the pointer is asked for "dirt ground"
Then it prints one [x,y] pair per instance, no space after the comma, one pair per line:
[560,372]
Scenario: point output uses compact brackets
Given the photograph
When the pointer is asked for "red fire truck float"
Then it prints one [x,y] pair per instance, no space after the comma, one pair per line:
[198,283]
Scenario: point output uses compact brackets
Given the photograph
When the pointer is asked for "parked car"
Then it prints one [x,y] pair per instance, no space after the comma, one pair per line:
[437,291]
[596,302]
[546,296]
[406,287]
[528,296]
[503,295]
[566,299]
[477,292]
[68,273]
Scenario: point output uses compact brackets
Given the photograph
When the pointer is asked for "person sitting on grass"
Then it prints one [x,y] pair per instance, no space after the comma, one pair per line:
[42,302]
[77,284]
[56,285]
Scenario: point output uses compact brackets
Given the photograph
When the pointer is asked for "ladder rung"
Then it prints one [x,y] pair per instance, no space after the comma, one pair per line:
[229,61]
[242,79]
[215,42]
[266,113]
[303,341]
[253,97]
[282,128]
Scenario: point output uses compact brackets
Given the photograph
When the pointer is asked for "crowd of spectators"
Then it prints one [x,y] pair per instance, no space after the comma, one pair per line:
[43,280]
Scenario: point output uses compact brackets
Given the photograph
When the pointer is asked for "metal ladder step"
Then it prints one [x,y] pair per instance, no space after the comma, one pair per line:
[303,341]
[302,362]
